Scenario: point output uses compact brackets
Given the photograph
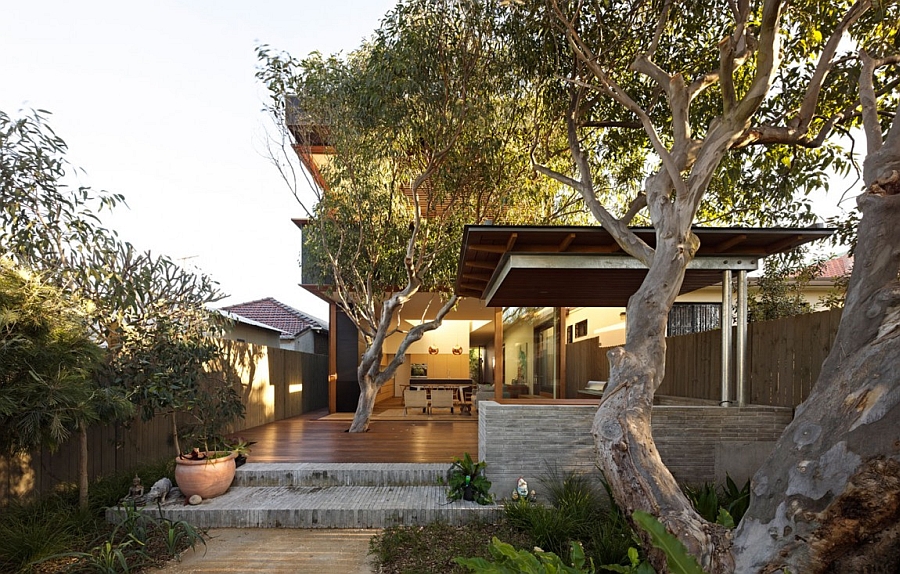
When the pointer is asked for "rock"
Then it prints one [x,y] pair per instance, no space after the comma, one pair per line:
[195,500]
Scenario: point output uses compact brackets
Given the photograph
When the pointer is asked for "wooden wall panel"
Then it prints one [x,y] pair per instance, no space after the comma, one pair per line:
[259,373]
[784,360]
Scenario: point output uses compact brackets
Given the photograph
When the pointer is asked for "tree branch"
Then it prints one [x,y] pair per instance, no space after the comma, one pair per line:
[824,65]
[768,134]
[660,28]
[868,101]
[767,61]
[612,124]
[611,88]
[637,204]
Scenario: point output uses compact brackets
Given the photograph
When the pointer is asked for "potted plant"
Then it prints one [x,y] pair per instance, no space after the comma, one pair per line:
[241,447]
[208,469]
[205,473]
[467,481]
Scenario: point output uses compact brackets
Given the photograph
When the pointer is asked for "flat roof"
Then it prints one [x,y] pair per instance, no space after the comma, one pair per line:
[583,266]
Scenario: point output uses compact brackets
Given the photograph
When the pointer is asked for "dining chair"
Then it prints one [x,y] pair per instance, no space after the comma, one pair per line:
[414,400]
[441,399]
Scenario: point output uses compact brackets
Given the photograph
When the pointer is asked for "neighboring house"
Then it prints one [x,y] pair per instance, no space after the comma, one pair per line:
[823,285]
[297,330]
[249,331]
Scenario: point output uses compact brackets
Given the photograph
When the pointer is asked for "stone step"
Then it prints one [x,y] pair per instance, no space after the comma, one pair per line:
[340,474]
[324,507]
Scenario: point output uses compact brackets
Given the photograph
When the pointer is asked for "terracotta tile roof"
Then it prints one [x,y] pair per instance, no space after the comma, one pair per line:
[837,267]
[285,318]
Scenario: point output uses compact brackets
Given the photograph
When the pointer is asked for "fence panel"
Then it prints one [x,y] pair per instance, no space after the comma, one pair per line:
[787,354]
[585,361]
[693,366]
[255,371]
[784,359]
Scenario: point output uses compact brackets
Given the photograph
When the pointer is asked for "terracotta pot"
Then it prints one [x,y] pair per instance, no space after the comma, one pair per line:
[207,477]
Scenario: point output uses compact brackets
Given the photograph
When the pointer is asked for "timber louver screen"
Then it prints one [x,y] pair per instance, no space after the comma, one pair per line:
[687,318]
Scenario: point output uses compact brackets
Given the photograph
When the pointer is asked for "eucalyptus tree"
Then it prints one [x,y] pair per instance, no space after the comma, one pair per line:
[692,105]
[426,126]
[55,230]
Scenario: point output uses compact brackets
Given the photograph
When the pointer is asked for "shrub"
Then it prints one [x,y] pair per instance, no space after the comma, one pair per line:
[54,533]
[578,510]
[725,505]
[35,530]
[508,560]
[466,480]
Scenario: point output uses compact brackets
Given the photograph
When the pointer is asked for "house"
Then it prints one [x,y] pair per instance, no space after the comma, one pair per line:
[528,291]
[297,331]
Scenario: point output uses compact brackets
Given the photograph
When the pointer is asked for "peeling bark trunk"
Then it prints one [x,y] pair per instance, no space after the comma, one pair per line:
[368,390]
[622,434]
[370,375]
[828,499]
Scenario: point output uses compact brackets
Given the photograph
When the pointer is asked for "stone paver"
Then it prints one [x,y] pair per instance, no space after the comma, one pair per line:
[231,550]
[296,518]
[329,507]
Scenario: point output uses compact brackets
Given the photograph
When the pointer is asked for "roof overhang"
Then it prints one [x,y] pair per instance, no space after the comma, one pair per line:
[241,319]
[584,266]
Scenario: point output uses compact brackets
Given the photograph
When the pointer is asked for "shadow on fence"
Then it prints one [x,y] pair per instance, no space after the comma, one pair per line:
[274,384]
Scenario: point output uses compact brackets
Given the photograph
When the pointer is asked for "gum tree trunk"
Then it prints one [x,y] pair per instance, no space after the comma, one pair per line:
[828,499]
[368,390]
[370,375]
[622,433]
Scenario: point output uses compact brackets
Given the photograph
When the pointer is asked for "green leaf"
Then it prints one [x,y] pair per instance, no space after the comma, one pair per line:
[725,518]
[633,556]
[677,558]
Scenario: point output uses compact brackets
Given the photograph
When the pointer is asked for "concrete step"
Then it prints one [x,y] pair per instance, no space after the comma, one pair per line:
[324,507]
[340,474]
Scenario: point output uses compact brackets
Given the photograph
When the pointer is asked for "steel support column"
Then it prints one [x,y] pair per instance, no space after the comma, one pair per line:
[726,338]
[740,367]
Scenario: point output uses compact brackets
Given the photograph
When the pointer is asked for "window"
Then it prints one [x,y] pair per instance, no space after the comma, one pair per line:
[581,329]
[569,334]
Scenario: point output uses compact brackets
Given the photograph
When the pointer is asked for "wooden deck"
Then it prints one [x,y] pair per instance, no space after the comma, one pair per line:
[305,439]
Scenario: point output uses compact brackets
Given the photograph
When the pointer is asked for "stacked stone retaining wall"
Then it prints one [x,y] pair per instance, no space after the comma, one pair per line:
[698,443]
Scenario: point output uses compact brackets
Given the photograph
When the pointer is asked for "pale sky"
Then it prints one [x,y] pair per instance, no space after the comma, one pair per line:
[158,101]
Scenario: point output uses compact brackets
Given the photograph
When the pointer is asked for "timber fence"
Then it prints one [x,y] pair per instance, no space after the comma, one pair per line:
[784,359]
[274,384]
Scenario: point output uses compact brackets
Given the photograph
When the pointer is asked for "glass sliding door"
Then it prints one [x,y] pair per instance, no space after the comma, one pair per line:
[530,353]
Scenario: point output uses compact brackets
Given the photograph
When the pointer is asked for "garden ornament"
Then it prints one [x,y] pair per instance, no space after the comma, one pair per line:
[136,493]
[160,490]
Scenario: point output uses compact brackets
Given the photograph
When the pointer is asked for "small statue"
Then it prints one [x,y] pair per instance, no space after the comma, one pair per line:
[520,492]
[160,490]
[136,492]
